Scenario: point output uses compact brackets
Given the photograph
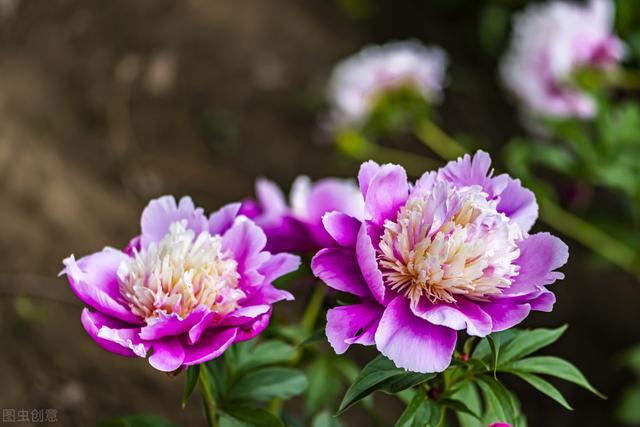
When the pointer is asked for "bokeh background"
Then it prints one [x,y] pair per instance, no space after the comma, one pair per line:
[105,104]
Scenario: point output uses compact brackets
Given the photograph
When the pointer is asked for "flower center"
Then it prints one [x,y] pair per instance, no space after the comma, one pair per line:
[180,273]
[449,242]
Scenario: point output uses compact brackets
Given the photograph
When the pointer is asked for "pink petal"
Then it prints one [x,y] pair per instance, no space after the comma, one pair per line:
[413,343]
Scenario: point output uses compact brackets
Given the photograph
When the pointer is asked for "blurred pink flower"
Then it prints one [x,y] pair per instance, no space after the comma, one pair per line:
[358,81]
[551,41]
[297,226]
[184,290]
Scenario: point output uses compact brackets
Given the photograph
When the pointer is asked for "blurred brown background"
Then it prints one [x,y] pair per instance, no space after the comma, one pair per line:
[105,104]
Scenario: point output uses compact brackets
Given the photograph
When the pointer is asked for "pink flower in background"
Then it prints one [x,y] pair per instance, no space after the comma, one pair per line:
[184,290]
[359,81]
[450,252]
[297,227]
[551,41]
[500,425]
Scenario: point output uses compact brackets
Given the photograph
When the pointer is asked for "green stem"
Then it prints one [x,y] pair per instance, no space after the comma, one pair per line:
[438,141]
[210,406]
[443,416]
[313,307]
[624,79]
[355,145]
[589,235]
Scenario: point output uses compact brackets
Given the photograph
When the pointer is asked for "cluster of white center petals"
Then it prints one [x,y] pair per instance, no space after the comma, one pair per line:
[179,273]
[449,242]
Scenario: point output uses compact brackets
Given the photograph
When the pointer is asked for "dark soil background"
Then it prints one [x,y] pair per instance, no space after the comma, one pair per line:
[105,104]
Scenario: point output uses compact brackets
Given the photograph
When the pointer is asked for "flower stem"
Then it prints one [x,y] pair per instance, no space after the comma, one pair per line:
[313,307]
[355,145]
[210,407]
[624,79]
[438,141]
[589,235]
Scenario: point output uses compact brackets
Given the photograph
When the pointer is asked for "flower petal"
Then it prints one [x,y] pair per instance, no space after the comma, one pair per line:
[267,294]
[505,314]
[352,324]
[245,315]
[540,255]
[162,212]
[171,324]
[168,354]
[543,302]
[338,268]
[94,321]
[251,330]
[222,219]
[388,190]
[279,265]
[519,204]
[93,279]
[271,198]
[413,343]
[368,263]
[342,228]
[246,240]
[467,171]
[211,345]
[463,314]
[367,171]
[332,194]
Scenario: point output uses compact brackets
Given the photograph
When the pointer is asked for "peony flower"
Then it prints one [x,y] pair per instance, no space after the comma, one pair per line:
[450,252]
[550,43]
[184,290]
[358,82]
[299,228]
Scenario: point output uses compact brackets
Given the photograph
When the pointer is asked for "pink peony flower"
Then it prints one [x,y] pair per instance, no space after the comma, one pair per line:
[298,227]
[359,81]
[184,290]
[450,252]
[552,41]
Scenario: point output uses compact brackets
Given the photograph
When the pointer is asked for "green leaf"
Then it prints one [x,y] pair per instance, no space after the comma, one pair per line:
[325,419]
[380,374]
[216,376]
[193,373]
[528,341]
[406,419]
[268,353]
[543,386]
[252,416]
[495,352]
[138,421]
[267,383]
[631,358]
[468,393]
[428,414]
[555,367]
[324,385]
[500,402]
[500,339]
[458,406]
[628,411]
